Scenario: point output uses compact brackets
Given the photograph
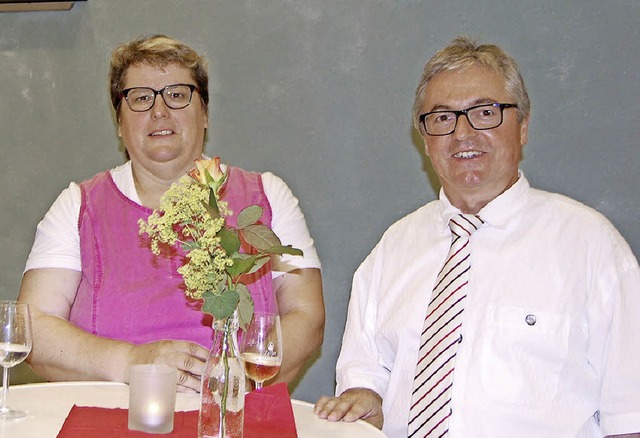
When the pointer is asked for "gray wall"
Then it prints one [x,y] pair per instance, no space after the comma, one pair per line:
[320,92]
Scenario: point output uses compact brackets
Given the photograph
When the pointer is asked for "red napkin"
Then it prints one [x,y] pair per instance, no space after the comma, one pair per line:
[84,421]
[267,413]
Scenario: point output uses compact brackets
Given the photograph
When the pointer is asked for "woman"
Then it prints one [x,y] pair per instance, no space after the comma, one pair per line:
[99,305]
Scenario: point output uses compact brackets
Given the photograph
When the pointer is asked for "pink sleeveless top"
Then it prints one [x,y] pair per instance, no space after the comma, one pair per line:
[128,293]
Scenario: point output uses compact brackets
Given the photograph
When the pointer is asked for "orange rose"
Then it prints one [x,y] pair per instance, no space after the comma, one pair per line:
[210,167]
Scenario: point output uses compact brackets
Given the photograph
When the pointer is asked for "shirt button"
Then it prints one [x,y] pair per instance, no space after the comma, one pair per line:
[530,319]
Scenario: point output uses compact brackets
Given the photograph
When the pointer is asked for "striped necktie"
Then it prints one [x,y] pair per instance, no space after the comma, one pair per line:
[431,397]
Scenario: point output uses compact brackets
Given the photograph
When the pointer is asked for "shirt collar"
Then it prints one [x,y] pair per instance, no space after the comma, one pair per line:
[496,213]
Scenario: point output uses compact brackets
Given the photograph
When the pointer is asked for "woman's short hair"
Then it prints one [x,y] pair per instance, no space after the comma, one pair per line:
[462,53]
[156,51]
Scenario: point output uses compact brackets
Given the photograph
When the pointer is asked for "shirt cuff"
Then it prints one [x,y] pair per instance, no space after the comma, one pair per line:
[620,424]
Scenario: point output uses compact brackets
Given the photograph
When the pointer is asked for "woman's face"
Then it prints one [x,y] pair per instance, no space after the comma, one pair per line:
[162,136]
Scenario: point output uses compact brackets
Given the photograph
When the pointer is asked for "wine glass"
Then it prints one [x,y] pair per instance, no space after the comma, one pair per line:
[15,345]
[261,348]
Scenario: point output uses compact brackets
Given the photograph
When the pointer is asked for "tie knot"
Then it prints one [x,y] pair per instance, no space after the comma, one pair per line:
[464,225]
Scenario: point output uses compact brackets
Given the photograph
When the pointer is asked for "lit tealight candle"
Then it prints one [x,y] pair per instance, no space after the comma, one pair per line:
[154,415]
[152,398]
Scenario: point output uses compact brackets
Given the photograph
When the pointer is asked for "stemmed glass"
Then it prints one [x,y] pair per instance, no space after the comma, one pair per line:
[261,348]
[15,345]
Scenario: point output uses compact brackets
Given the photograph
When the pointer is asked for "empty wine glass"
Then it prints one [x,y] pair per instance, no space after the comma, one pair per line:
[261,348]
[15,345]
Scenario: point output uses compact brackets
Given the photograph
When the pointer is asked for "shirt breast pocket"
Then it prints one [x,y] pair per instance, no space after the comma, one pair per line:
[522,354]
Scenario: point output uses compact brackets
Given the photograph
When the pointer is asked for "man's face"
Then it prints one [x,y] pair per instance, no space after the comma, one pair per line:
[474,166]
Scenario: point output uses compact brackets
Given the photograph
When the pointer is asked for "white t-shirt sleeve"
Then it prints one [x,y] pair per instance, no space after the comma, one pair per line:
[57,242]
[289,225]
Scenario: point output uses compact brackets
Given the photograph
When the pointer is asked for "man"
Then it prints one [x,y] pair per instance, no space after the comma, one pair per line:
[540,340]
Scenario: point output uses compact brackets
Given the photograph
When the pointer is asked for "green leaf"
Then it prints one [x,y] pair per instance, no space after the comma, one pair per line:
[260,262]
[242,263]
[229,240]
[245,305]
[212,210]
[221,286]
[249,216]
[288,249]
[260,237]
[213,203]
[220,306]
[212,183]
[190,246]
[208,178]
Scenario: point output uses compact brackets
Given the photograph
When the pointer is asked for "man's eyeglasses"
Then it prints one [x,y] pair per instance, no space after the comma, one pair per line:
[480,117]
[175,96]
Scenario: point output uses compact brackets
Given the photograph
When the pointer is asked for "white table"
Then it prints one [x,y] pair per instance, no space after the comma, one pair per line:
[48,404]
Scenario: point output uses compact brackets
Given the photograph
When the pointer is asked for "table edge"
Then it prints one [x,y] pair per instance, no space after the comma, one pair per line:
[303,403]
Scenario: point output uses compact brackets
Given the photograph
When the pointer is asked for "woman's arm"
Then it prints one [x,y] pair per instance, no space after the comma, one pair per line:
[301,307]
[62,351]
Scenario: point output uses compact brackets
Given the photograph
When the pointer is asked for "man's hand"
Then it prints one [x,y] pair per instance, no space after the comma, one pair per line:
[353,404]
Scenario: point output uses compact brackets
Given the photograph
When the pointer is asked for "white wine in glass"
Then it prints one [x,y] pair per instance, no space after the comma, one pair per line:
[262,348]
[15,345]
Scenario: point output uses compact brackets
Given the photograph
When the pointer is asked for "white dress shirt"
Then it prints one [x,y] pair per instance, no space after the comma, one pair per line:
[57,242]
[550,344]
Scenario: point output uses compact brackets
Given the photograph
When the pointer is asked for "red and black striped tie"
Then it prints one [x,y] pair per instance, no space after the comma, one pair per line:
[431,397]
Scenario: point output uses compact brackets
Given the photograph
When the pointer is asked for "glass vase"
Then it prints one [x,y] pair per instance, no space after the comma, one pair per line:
[223,385]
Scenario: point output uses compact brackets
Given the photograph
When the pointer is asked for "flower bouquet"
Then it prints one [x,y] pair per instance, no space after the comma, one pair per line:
[192,214]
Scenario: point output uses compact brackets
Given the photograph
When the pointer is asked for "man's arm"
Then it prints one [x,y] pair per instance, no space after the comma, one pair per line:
[62,351]
[301,307]
[353,404]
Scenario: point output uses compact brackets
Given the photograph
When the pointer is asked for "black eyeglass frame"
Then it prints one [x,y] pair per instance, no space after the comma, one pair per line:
[465,112]
[126,91]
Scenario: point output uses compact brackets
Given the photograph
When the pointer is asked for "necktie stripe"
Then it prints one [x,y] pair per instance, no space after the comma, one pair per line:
[472,226]
[438,408]
[434,355]
[461,227]
[428,392]
[454,254]
[443,275]
[436,329]
[453,330]
[438,290]
[444,301]
[436,374]
[436,422]
[475,224]
[431,397]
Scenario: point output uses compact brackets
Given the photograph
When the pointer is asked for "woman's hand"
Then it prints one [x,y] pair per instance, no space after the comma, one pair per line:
[187,357]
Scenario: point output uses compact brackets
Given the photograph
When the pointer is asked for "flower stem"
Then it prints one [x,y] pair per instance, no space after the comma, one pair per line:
[225,387]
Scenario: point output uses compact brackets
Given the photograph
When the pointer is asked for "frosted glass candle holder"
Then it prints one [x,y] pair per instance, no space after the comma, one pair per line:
[152,398]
